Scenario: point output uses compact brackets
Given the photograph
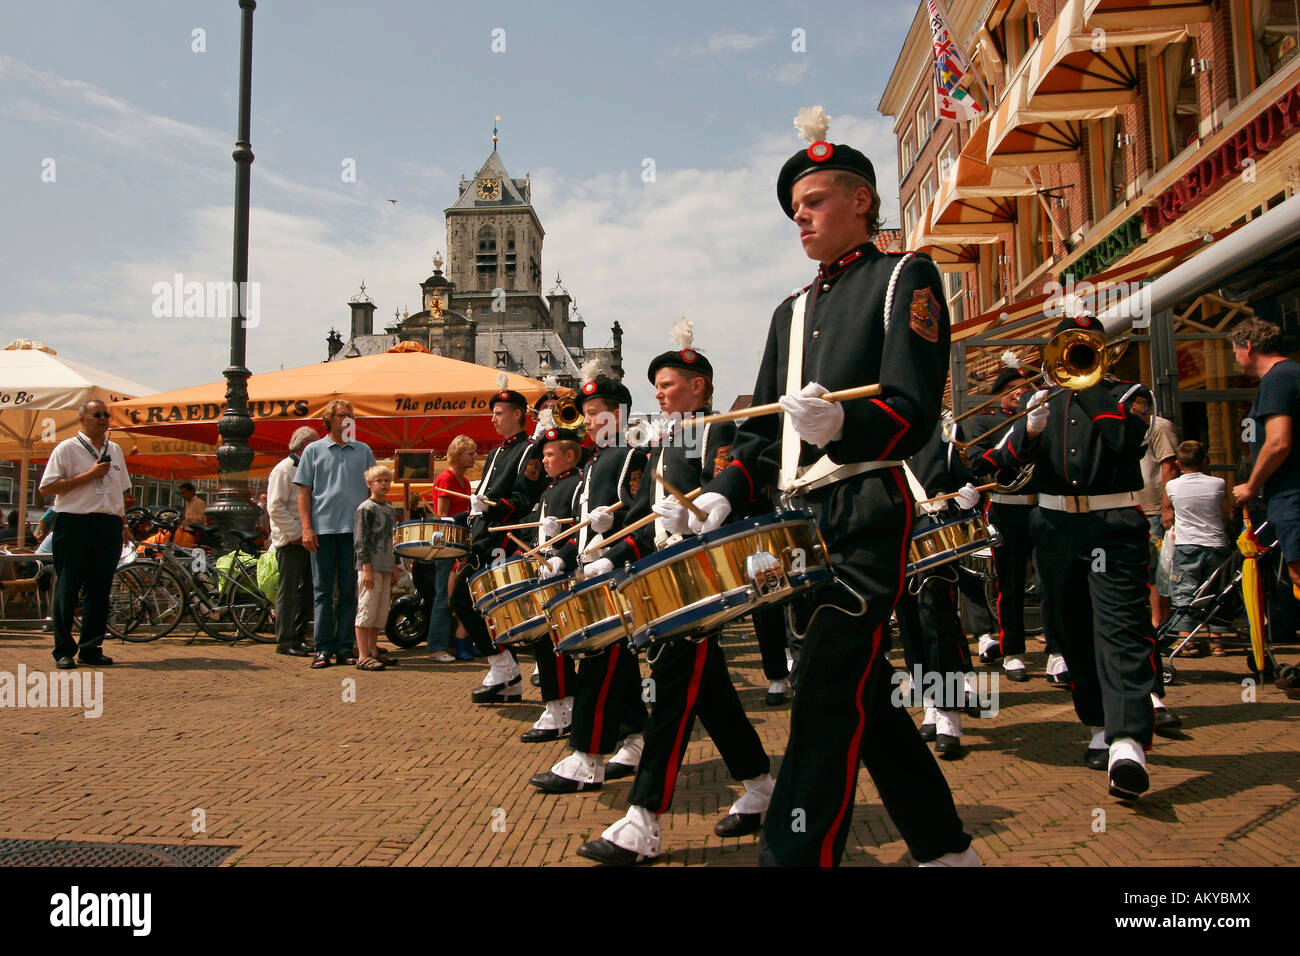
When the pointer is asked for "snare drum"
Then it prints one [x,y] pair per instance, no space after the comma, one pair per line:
[702,583]
[588,616]
[431,538]
[500,575]
[980,563]
[516,614]
[941,542]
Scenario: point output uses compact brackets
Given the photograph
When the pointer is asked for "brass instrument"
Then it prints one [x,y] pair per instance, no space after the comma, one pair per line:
[565,413]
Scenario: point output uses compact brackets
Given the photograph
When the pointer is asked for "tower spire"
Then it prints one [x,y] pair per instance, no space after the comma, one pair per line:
[495,120]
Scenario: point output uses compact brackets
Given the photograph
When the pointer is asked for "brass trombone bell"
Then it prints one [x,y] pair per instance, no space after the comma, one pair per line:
[565,412]
[1080,358]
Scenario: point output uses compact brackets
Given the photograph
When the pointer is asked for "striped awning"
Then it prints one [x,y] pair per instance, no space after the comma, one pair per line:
[976,198]
[952,253]
[1122,14]
[1020,135]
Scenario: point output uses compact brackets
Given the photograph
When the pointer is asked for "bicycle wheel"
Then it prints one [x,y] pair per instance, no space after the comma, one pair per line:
[247,606]
[208,604]
[146,601]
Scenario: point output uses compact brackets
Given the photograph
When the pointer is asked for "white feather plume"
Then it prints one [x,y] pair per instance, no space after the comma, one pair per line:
[546,419]
[1011,360]
[683,333]
[503,380]
[551,383]
[591,369]
[812,123]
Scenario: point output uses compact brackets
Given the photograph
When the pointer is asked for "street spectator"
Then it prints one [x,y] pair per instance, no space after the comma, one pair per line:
[461,454]
[331,483]
[1159,466]
[195,515]
[293,598]
[1201,543]
[373,537]
[87,476]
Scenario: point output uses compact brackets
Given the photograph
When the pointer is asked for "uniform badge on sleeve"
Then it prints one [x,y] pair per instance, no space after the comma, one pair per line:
[533,470]
[1141,408]
[924,315]
[721,460]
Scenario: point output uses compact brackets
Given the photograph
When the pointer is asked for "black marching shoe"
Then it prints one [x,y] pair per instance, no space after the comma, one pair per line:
[1059,680]
[610,854]
[535,680]
[1128,780]
[499,693]
[1096,759]
[617,771]
[99,659]
[738,824]
[536,736]
[947,746]
[928,733]
[64,663]
[553,783]
[1166,720]
[295,650]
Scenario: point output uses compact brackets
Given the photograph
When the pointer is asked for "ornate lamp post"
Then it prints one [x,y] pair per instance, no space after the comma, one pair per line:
[233,509]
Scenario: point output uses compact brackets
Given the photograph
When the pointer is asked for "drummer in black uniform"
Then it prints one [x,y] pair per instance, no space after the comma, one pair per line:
[868,318]
[689,677]
[1091,538]
[512,481]
[607,703]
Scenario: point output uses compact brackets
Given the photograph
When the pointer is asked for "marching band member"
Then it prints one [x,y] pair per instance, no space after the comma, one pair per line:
[607,696]
[512,480]
[1009,513]
[689,677]
[1091,539]
[868,318]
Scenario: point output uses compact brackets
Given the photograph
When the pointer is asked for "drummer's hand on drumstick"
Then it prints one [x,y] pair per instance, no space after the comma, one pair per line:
[817,421]
[967,497]
[1036,420]
[550,527]
[716,509]
[598,567]
[552,567]
[600,520]
[674,514]
[478,504]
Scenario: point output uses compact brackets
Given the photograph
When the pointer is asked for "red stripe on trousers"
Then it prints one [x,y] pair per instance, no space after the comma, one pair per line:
[604,693]
[679,743]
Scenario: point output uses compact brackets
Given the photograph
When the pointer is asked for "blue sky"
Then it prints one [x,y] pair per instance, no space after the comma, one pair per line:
[140,128]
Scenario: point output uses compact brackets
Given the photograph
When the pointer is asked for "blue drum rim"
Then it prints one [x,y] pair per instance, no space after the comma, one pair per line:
[945,557]
[575,585]
[577,640]
[725,533]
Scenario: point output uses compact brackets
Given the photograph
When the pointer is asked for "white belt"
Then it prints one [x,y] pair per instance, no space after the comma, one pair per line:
[825,472]
[1079,504]
[1011,499]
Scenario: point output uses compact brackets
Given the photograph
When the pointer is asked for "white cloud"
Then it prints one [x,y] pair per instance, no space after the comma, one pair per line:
[790,73]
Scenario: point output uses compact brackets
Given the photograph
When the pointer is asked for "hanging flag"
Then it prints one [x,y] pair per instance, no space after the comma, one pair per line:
[951,68]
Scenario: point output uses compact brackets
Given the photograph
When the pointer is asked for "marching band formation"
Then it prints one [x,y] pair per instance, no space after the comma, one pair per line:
[841,499]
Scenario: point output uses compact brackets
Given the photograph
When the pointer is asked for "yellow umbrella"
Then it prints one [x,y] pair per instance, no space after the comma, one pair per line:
[1252,591]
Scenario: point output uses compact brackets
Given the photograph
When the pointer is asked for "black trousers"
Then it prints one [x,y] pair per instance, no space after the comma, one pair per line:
[1010,559]
[87,548]
[932,636]
[769,630]
[463,607]
[607,704]
[1092,572]
[554,670]
[293,599]
[690,679]
[843,713]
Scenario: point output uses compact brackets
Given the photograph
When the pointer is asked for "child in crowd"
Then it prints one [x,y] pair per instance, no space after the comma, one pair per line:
[1200,542]
[373,542]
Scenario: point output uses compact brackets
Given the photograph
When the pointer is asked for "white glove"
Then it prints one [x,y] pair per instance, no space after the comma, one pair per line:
[551,568]
[716,508]
[598,567]
[818,422]
[600,520]
[478,504]
[550,528]
[967,497]
[1036,420]
[539,431]
[674,515]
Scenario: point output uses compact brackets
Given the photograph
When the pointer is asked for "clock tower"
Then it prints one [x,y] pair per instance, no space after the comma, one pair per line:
[494,238]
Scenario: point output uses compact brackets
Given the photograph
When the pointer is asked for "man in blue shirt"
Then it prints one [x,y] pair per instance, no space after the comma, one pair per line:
[331,480]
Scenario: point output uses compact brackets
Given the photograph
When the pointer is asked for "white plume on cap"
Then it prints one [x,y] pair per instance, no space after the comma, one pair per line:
[546,419]
[812,123]
[683,333]
[503,380]
[1011,360]
[591,369]
[551,382]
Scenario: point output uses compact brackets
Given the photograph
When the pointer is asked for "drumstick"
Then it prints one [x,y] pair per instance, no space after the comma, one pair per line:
[672,490]
[862,391]
[642,522]
[522,546]
[527,524]
[577,527]
[953,494]
[457,494]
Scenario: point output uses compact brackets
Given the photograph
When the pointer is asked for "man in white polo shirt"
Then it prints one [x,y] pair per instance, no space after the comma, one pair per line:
[87,475]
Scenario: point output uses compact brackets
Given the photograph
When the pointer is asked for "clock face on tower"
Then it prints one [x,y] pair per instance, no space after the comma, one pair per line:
[489,189]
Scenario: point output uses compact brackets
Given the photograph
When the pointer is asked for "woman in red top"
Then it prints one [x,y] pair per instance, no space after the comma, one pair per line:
[460,457]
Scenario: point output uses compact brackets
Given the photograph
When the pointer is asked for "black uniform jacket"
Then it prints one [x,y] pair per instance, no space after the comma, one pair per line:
[691,457]
[848,343]
[1093,442]
[938,467]
[516,481]
[560,499]
[610,475]
[980,456]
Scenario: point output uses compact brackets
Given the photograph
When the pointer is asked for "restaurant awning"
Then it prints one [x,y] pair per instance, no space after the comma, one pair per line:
[1023,136]
[976,198]
[952,253]
[1120,14]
